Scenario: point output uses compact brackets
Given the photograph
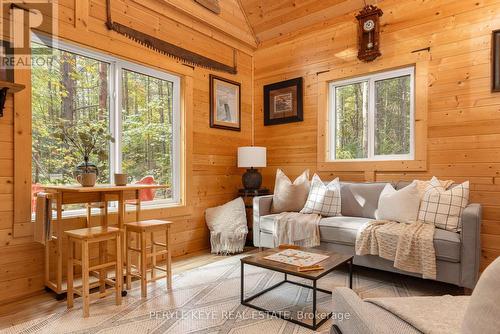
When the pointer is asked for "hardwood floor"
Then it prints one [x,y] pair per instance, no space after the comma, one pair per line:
[45,303]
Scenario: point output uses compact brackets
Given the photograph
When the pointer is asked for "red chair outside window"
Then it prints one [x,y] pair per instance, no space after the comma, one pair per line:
[147,194]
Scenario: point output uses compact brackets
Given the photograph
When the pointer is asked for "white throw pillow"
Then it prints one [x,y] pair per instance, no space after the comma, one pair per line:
[323,199]
[288,196]
[443,208]
[399,205]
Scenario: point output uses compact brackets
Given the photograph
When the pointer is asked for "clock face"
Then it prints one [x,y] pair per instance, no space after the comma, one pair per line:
[368,25]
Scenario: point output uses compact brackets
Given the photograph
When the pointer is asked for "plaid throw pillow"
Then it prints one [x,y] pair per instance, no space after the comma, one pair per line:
[323,199]
[443,208]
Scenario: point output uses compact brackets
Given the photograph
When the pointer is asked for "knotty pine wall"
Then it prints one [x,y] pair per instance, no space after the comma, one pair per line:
[463,140]
[213,176]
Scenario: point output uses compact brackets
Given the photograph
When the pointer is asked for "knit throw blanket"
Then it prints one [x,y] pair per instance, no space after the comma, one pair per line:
[296,229]
[410,246]
[228,242]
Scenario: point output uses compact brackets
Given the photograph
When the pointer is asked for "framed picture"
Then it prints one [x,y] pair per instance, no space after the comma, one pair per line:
[495,61]
[283,102]
[225,104]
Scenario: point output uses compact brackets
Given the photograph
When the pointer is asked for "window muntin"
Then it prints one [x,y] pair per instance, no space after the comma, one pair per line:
[373,117]
[102,84]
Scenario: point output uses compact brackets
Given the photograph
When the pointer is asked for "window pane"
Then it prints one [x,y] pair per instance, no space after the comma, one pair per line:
[351,121]
[147,147]
[392,116]
[72,89]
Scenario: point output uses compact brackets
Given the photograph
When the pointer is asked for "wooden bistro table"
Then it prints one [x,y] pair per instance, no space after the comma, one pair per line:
[76,194]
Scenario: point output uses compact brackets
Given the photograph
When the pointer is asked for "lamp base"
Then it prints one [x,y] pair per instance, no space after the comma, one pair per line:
[252,179]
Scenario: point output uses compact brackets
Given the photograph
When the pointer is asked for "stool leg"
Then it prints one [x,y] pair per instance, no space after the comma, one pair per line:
[70,273]
[129,260]
[89,214]
[102,259]
[169,259]
[153,257]
[119,270]
[144,277]
[85,278]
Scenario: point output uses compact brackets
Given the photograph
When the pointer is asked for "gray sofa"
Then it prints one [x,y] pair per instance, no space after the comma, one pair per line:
[457,254]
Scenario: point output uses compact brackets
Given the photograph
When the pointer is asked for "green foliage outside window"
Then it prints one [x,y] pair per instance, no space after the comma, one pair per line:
[392,116]
[73,90]
[391,126]
[351,115]
[71,99]
[147,127]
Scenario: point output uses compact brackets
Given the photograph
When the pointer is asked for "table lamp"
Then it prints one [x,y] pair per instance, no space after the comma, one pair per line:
[250,157]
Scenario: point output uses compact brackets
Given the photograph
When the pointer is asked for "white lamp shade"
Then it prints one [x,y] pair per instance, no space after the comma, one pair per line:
[251,156]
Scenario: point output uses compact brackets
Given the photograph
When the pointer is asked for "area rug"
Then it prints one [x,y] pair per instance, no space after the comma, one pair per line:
[207,300]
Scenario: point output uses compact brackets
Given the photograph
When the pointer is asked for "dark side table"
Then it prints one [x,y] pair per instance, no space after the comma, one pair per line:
[248,196]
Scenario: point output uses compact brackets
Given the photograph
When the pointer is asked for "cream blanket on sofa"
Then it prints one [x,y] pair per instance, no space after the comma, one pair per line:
[296,229]
[410,246]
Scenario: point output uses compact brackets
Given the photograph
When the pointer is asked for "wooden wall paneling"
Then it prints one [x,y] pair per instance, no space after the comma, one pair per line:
[231,20]
[460,112]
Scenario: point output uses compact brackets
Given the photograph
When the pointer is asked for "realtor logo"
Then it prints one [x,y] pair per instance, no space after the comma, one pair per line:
[20,19]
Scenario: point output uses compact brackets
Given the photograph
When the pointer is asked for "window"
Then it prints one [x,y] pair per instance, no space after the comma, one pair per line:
[373,117]
[138,106]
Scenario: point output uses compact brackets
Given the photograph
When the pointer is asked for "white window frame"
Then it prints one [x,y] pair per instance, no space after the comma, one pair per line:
[116,65]
[371,79]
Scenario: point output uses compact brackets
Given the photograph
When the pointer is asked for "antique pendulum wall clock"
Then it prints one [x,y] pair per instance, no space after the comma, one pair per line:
[369,33]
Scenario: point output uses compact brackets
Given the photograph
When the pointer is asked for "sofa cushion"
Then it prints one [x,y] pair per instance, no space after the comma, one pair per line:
[341,229]
[360,199]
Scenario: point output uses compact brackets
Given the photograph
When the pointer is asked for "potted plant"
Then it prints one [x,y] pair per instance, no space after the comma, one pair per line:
[88,138]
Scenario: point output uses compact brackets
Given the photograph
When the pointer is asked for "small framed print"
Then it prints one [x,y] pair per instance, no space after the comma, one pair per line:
[225,104]
[283,102]
[495,61]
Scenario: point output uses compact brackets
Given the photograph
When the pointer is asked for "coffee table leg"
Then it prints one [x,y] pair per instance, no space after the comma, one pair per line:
[314,303]
[350,274]
[242,283]
[286,276]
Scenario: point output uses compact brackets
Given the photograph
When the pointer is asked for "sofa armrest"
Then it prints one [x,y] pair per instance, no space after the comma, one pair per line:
[470,256]
[261,207]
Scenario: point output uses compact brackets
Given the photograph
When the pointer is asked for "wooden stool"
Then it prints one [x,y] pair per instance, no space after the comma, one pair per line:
[86,236]
[142,228]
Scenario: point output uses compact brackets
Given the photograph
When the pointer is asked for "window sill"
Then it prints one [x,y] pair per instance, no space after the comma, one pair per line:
[373,165]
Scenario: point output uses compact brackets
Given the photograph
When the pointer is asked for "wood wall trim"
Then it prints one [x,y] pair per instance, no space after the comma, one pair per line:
[22,150]
[420,125]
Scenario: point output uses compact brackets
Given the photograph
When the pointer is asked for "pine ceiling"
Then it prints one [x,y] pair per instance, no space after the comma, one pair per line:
[269,19]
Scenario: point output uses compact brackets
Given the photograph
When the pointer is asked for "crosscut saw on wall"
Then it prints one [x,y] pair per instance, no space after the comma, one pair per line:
[167,48]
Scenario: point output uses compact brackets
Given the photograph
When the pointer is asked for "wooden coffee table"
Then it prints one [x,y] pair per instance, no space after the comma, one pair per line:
[333,261]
